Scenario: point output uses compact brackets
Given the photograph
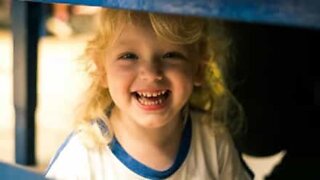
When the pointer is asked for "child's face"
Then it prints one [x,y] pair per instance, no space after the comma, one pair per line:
[149,79]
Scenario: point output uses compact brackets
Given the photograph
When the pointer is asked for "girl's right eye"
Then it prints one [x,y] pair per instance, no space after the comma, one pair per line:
[128,56]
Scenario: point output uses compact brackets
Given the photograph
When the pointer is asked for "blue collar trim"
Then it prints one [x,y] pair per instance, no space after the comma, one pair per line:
[148,172]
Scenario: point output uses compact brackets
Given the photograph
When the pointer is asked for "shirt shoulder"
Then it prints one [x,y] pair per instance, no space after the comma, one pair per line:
[75,159]
[70,161]
[216,145]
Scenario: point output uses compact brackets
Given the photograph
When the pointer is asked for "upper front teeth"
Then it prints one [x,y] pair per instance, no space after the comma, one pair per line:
[151,94]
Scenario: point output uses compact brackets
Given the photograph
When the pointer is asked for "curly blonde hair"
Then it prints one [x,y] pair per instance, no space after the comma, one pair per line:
[207,37]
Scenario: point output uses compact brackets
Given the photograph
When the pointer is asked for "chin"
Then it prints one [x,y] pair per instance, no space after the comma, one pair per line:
[152,124]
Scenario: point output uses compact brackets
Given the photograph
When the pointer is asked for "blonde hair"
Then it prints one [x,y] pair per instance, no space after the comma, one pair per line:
[207,37]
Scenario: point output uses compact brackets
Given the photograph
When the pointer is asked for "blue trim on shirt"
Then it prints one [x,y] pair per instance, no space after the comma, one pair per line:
[150,173]
[59,151]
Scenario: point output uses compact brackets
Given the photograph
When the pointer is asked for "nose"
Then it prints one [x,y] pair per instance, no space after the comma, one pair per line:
[151,71]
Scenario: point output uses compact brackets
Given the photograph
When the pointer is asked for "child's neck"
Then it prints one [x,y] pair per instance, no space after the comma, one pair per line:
[156,147]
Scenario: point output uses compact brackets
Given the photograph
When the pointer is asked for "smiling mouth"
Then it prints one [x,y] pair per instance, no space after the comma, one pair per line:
[152,98]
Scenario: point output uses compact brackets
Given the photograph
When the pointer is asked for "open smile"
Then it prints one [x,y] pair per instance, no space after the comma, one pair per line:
[152,100]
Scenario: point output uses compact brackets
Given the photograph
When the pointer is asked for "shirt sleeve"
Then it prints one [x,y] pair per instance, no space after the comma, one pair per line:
[230,165]
[70,161]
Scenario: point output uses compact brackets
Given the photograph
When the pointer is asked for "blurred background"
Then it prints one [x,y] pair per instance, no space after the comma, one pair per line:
[271,83]
[61,78]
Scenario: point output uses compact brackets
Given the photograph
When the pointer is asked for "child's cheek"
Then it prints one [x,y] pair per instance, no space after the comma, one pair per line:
[122,70]
[183,70]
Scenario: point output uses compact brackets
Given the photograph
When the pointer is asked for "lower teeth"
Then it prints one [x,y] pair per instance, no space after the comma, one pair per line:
[150,102]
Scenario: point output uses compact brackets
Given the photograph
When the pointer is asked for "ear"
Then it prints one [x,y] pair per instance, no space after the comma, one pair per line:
[197,83]
[103,80]
[101,74]
[198,76]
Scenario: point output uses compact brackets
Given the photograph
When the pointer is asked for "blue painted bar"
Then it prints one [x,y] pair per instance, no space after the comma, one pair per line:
[10,171]
[26,32]
[302,13]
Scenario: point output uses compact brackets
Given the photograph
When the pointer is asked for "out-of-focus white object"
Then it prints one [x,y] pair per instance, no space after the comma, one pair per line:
[263,166]
[58,27]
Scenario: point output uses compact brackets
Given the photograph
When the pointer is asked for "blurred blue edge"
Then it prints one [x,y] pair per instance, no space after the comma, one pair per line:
[300,13]
[17,172]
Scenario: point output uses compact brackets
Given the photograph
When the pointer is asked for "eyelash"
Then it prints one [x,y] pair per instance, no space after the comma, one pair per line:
[174,55]
[127,56]
[168,55]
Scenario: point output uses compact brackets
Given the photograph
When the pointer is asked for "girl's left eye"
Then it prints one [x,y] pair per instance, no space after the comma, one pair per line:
[173,55]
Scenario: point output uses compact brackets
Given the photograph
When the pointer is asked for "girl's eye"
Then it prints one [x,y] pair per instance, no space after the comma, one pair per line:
[128,56]
[173,55]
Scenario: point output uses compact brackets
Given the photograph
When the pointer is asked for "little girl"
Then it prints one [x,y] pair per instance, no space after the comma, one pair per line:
[157,107]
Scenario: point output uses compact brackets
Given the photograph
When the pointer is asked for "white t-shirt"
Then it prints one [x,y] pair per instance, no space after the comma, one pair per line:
[202,155]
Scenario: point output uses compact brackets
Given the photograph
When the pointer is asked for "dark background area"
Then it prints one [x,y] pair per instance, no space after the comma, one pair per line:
[276,77]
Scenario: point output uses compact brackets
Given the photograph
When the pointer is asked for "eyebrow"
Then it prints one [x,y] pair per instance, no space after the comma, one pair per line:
[123,42]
